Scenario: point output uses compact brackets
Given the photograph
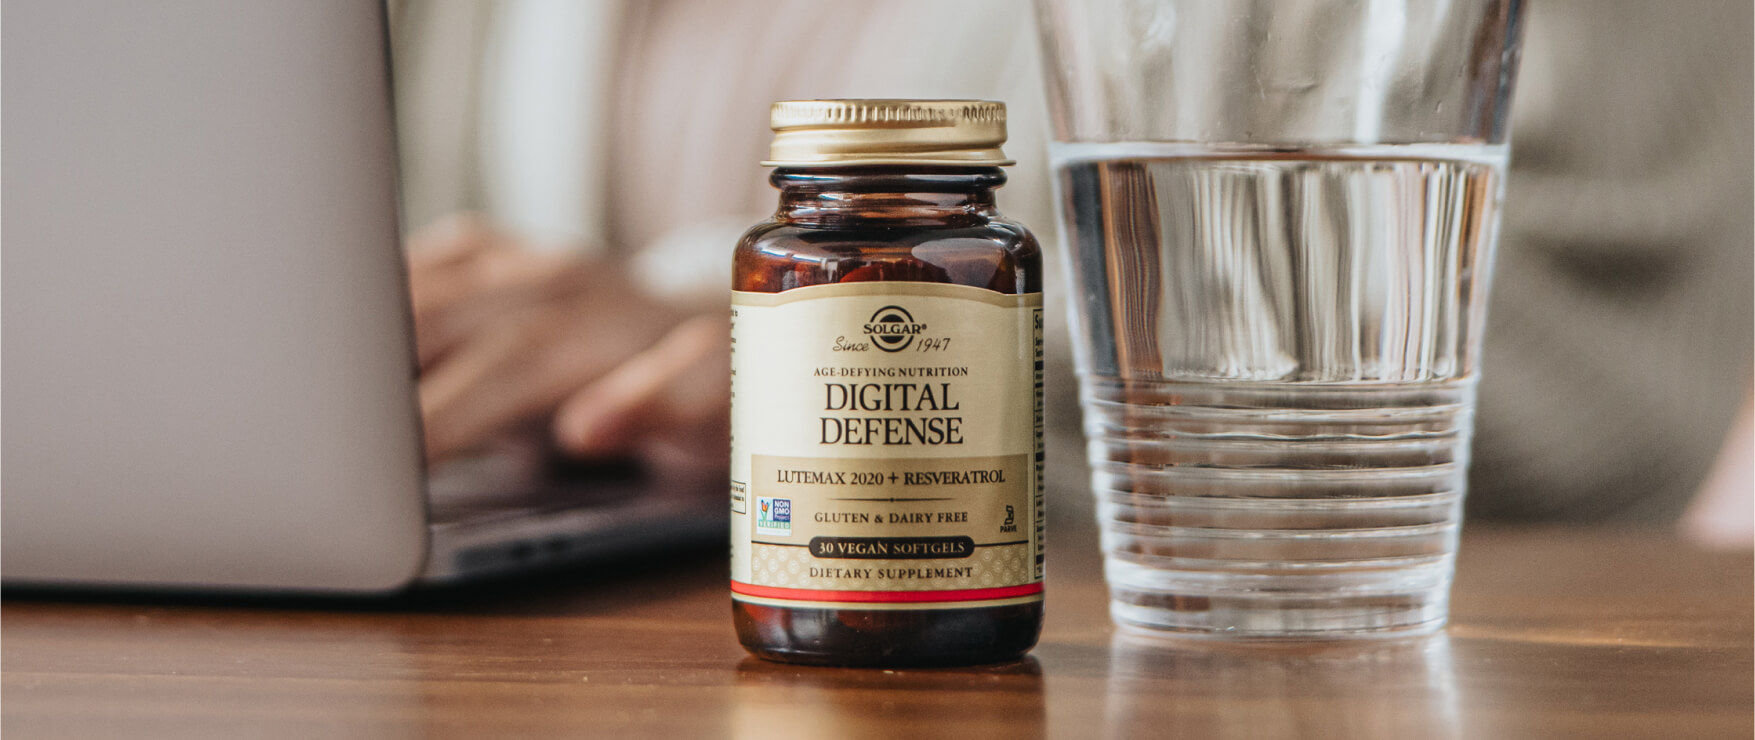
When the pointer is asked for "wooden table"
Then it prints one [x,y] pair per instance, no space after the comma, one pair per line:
[1556,633]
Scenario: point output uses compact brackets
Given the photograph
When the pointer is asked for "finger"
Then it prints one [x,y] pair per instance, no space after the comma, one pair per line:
[518,368]
[457,403]
[494,382]
[453,256]
[440,254]
[450,239]
[656,392]
[452,304]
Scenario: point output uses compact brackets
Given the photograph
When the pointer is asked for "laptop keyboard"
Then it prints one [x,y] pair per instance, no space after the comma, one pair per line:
[519,482]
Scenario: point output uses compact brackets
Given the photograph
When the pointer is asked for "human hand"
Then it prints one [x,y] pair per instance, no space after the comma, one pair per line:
[508,338]
[668,405]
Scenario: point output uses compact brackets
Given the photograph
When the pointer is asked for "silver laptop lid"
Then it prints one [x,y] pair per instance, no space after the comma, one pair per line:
[207,366]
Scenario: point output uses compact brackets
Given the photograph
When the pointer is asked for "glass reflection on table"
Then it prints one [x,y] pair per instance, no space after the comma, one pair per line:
[1210,689]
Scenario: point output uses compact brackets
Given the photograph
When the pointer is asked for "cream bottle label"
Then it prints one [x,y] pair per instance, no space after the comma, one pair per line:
[886,447]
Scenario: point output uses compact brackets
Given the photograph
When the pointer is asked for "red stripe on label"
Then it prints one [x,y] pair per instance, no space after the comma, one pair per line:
[886,597]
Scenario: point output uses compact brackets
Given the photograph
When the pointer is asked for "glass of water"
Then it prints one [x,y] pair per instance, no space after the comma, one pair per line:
[1279,221]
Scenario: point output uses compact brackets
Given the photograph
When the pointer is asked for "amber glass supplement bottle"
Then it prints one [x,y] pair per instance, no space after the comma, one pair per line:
[886,490]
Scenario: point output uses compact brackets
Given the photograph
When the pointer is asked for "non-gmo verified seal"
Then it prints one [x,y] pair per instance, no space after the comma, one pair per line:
[774,516]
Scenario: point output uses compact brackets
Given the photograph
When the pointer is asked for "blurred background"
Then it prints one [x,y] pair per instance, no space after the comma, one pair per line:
[608,153]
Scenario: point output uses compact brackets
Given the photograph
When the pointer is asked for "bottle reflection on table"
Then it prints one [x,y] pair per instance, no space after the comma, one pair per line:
[775,701]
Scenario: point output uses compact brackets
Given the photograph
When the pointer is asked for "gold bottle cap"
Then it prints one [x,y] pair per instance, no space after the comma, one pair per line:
[848,133]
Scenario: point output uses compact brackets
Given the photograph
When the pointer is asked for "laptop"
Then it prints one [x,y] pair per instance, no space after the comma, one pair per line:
[208,366]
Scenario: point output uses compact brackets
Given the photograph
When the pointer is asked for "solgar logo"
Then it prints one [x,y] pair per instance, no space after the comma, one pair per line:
[892,328]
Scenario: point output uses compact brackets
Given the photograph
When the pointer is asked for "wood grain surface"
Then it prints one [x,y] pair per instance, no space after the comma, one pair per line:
[1556,633]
